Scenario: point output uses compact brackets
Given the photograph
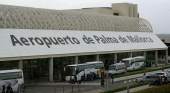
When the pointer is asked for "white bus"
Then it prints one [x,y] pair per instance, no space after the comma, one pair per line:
[134,63]
[117,68]
[80,69]
[11,77]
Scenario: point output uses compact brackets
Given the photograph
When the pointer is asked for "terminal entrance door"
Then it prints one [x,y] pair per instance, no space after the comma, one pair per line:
[35,71]
[59,64]
[28,72]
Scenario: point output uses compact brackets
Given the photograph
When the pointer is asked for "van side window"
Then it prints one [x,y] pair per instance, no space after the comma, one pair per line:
[93,66]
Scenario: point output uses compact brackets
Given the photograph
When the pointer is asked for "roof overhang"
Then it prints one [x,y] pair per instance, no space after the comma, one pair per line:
[29,44]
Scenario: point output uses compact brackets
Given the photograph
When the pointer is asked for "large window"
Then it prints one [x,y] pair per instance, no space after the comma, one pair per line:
[11,75]
[127,63]
[116,14]
[100,65]
[70,70]
[120,66]
[6,65]
[86,58]
[92,66]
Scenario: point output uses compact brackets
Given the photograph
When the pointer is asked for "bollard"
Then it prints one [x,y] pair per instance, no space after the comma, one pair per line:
[63,89]
[54,90]
[128,89]
[102,78]
[72,88]
[19,88]
[78,88]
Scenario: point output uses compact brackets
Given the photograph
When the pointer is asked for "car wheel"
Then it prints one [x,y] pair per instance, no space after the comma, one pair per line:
[155,83]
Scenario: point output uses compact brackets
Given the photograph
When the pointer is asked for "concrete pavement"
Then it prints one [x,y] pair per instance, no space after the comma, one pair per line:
[94,87]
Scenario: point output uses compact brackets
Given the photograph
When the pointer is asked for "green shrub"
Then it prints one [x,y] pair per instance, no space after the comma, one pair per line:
[157,89]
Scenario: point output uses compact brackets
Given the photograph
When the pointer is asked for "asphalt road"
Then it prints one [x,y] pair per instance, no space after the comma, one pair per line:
[90,85]
[50,89]
[68,88]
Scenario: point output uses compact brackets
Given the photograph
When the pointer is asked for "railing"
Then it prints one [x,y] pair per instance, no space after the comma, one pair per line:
[72,87]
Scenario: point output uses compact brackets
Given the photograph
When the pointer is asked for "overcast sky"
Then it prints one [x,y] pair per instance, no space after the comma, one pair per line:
[157,12]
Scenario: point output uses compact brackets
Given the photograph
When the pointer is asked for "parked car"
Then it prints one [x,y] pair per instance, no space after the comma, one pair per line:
[161,74]
[151,78]
[168,78]
[168,72]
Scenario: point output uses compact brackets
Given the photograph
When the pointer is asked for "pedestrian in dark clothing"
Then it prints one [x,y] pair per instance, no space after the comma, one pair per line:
[9,89]
[75,78]
[3,89]
[144,73]
[70,79]
[159,81]
[166,81]
[22,88]
[163,79]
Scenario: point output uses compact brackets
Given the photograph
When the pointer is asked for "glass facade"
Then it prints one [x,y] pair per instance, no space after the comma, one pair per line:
[136,54]
[108,59]
[86,58]
[5,65]
[58,66]
[123,55]
[36,70]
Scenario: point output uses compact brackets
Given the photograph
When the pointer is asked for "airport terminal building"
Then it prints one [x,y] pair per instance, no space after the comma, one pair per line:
[44,40]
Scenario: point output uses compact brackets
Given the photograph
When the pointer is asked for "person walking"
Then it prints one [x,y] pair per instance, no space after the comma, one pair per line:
[75,79]
[159,81]
[144,73]
[22,88]
[3,88]
[70,79]
[162,69]
[9,89]
[166,81]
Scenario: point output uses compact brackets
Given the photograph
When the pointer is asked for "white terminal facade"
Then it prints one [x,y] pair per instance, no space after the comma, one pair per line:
[43,41]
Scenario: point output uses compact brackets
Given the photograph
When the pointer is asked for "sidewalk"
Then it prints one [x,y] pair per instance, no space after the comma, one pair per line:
[92,89]
[136,89]
[95,86]
[99,89]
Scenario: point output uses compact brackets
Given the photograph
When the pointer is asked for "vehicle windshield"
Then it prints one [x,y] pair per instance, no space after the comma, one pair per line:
[160,73]
[143,77]
[112,67]
[100,65]
[70,70]
[126,62]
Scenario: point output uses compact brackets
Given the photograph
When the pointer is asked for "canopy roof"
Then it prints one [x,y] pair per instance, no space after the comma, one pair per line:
[29,43]
[21,27]
[35,18]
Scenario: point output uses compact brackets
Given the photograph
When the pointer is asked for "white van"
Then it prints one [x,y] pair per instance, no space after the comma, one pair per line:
[117,68]
[134,63]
